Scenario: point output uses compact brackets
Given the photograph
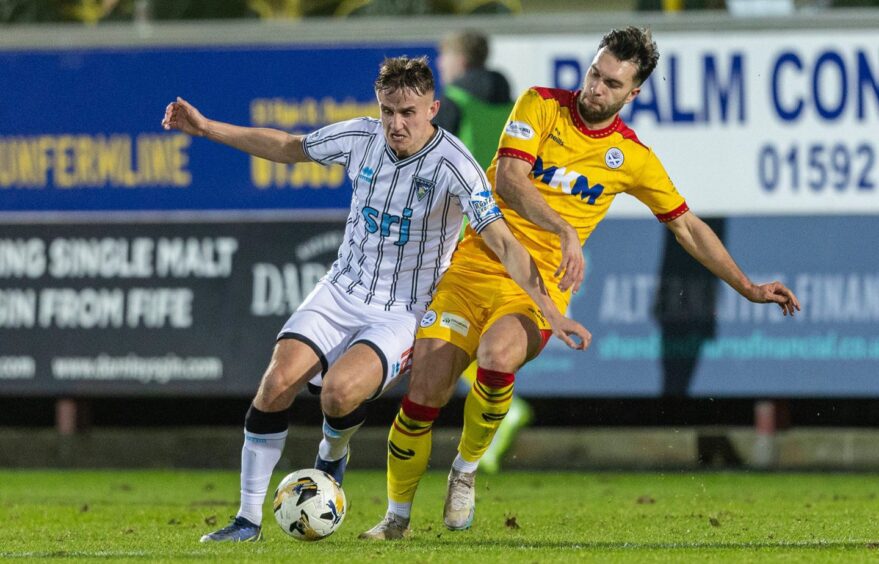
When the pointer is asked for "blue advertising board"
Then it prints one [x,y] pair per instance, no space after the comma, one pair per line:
[663,325]
[81,128]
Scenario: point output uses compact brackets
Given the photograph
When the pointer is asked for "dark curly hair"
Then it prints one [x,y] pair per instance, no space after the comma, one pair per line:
[403,73]
[634,45]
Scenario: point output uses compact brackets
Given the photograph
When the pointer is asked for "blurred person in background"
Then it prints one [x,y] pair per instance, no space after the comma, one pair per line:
[476,100]
[97,11]
[474,106]
[563,157]
[352,337]
[426,7]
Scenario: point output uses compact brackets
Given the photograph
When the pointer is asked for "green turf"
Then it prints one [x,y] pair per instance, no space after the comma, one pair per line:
[158,516]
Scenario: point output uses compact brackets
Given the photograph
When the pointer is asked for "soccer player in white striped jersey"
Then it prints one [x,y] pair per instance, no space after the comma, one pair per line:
[353,335]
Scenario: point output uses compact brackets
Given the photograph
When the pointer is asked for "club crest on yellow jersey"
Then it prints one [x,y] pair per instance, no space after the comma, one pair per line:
[614,158]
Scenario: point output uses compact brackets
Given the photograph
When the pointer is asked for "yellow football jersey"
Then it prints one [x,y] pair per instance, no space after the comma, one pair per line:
[577,171]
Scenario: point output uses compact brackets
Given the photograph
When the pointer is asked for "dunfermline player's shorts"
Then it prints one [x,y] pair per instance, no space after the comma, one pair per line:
[331,321]
[467,303]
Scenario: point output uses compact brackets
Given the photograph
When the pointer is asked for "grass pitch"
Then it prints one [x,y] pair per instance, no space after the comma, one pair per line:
[158,516]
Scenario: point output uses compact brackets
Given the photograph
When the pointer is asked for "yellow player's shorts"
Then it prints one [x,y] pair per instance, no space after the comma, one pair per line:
[467,303]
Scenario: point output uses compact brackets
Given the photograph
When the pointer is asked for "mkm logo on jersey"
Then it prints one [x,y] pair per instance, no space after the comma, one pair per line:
[572,183]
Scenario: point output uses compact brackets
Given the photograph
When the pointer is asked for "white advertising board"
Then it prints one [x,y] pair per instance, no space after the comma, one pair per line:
[746,123]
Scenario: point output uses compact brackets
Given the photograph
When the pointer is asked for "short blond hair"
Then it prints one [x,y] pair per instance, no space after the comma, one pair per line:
[404,73]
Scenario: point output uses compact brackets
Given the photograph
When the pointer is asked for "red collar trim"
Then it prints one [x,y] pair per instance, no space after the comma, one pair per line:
[594,133]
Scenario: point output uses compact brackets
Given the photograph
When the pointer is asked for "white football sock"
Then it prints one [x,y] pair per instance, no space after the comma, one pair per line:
[400,509]
[335,442]
[462,465]
[259,456]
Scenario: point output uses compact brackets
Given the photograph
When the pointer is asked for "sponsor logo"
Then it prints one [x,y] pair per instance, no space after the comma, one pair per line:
[557,139]
[483,205]
[375,223]
[422,187]
[569,182]
[455,322]
[614,158]
[484,209]
[519,130]
[366,174]
[330,432]
[429,318]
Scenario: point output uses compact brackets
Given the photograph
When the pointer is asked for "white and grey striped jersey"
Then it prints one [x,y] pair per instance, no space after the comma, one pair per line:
[406,214]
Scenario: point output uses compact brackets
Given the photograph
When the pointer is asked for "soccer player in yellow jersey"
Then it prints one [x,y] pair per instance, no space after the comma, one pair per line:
[563,157]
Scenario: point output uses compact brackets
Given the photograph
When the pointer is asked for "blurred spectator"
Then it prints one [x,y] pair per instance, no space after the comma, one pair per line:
[393,7]
[28,11]
[200,9]
[487,6]
[425,7]
[94,11]
[476,100]
[686,310]
[277,9]
[680,5]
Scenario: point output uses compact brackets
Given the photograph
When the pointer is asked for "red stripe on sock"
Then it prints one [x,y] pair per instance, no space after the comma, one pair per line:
[419,412]
[499,399]
[494,379]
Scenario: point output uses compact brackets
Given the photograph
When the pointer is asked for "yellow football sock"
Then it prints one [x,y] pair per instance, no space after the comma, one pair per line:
[484,410]
[409,443]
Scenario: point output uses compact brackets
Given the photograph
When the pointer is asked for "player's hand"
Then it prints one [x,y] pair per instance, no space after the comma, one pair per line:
[572,265]
[570,331]
[775,292]
[183,116]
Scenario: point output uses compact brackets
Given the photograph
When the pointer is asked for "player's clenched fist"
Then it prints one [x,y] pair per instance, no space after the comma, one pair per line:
[183,116]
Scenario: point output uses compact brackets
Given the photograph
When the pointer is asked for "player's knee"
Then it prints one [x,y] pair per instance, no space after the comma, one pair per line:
[425,391]
[336,401]
[499,356]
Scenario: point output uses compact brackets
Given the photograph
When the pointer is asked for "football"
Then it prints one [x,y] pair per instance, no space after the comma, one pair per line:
[309,505]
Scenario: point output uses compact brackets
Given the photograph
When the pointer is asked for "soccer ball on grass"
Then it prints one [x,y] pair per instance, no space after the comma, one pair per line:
[309,505]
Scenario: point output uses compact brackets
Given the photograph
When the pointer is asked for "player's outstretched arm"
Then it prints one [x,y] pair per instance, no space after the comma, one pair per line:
[523,271]
[514,186]
[698,239]
[271,144]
